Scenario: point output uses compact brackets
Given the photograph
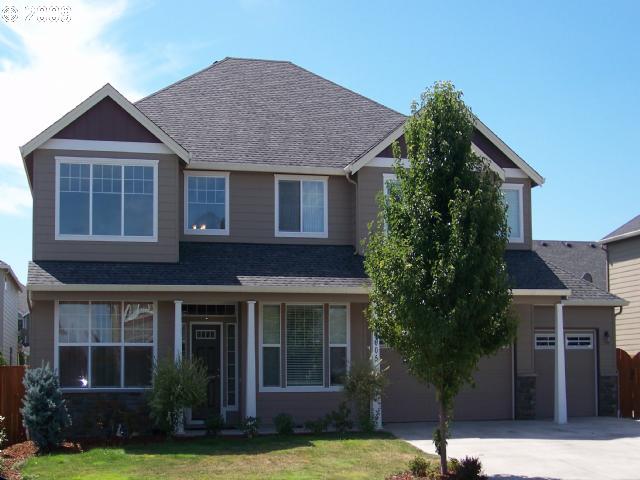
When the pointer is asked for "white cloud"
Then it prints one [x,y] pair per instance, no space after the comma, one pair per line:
[46,69]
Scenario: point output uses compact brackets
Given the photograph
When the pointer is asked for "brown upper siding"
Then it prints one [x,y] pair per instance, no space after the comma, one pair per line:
[45,247]
[252,212]
[624,281]
[493,152]
[107,121]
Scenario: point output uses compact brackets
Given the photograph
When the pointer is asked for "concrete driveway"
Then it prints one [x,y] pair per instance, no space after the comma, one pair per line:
[583,449]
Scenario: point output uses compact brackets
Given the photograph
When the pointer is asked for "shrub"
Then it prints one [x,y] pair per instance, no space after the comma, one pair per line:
[340,418]
[283,423]
[419,466]
[363,383]
[213,424]
[250,426]
[176,385]
[319,425]
[44,411]
[3,433]
[469,468]
[3,362]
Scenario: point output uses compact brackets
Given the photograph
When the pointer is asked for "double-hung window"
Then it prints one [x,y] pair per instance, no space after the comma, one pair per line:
[298,340]
[206,203]
[301,206]
[512,194]
[105,344]
[106,199]
[338,343]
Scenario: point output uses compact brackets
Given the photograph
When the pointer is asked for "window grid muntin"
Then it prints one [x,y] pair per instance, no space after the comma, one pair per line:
[89,344]
[64,166]
[197,191]
[545,341]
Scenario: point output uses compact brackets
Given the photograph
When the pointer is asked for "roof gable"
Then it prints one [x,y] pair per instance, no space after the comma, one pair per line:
[106,92]
[107,120]
[628,230]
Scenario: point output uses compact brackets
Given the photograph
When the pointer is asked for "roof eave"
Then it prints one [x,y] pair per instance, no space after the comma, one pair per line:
[622,236]
[617,302]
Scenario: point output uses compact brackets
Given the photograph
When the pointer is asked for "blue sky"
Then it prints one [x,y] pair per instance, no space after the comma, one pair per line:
[558,81]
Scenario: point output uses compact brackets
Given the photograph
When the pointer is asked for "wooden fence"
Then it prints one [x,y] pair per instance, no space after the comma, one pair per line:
[628,384]
[11,393]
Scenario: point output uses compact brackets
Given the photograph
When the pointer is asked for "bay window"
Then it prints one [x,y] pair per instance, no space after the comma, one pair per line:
[301,206]
[300,338]
[512,194]
[105,344]
[106,199]
[206,203]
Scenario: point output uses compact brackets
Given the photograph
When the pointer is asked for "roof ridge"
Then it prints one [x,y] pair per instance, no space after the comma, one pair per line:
[177,82]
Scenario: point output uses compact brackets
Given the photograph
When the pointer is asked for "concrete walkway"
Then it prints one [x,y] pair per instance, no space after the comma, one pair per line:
[583,449]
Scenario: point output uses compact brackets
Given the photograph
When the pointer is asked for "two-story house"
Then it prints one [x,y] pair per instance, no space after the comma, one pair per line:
[11,291]
[221,218]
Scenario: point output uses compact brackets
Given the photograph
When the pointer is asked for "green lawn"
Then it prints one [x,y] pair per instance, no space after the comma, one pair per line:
[354,456]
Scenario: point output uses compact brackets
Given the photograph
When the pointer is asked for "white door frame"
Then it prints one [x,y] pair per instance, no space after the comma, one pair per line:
[223,410]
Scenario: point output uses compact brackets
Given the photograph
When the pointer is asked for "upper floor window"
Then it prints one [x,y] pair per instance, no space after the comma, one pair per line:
[206,203]
[512,193]
[106,199]
[301,206]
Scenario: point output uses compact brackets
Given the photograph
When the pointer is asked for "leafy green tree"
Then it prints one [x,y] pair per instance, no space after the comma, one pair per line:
[440,294]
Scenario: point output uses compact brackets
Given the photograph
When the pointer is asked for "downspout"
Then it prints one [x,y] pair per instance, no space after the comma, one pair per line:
[347,174]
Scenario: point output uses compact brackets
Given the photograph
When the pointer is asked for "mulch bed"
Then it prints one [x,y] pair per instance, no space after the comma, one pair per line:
[15,454]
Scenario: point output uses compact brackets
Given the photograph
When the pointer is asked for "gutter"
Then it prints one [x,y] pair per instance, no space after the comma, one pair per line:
[596,303]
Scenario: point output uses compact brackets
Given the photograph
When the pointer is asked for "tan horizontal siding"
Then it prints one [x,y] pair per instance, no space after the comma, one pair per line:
[46,247]
[624,281]
[252,212]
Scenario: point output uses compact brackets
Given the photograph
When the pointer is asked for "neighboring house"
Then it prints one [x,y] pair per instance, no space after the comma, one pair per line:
[23,326]
[222,217]
[10,292]
[623,262]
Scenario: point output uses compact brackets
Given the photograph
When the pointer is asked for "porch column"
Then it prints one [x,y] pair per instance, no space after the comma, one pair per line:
[177,330]
[376,403]
[177,352]
[250,387]
[560,391]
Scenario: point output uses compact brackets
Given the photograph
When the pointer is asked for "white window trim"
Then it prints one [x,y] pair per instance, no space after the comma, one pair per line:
[347,345]
[544,334]
[578,347]
[385,178]
[301,234]
[283,351]
[234,407]
[110,161]
[208,231]
[519,188]
[57,344]
[262,345]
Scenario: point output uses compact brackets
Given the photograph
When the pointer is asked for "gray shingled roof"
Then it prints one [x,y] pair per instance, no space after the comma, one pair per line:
[628,229]
[268,112]
[577,257]
[218,264]
[258,265]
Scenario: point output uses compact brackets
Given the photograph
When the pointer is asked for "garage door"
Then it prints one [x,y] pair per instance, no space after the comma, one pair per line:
[580,370]
[407,400]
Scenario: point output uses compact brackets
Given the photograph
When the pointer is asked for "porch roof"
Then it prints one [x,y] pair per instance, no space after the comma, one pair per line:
[246,266]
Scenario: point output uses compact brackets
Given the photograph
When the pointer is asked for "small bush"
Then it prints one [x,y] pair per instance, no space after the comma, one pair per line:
[176,385]
[340,418]
[469,468]
[363,383]
[283,423]
[213,424]
[44,411]
[3,433]
[319,425]
[419,466]
[250,426]
[3,362]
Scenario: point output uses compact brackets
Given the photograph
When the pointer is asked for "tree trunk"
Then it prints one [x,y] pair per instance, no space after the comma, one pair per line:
[443,438]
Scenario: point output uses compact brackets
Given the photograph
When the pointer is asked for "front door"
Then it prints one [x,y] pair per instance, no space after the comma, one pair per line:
[205,346]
